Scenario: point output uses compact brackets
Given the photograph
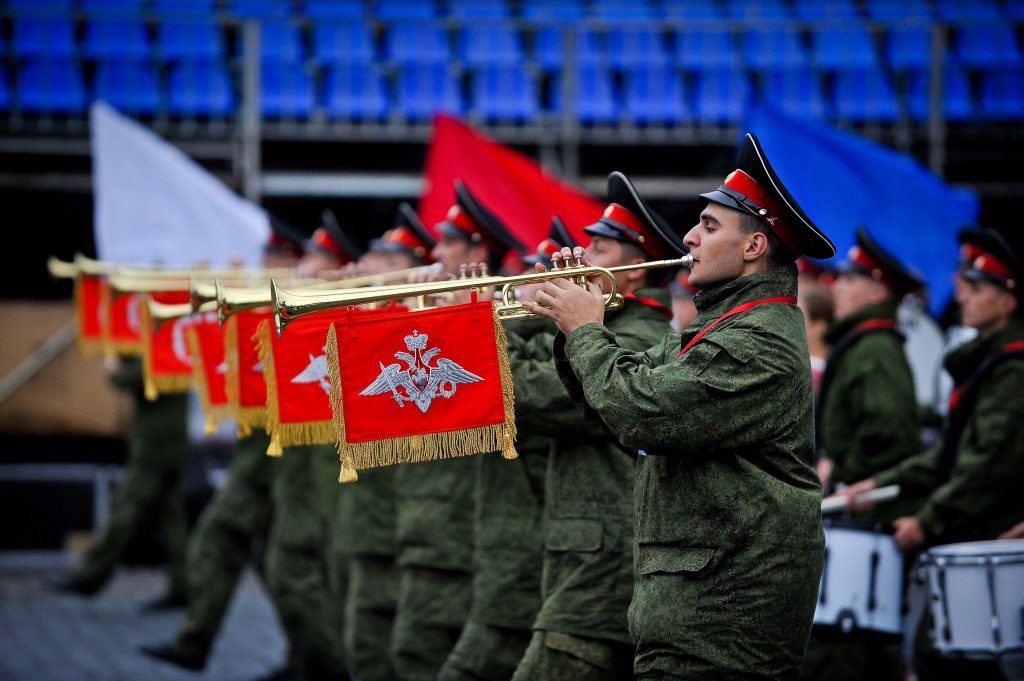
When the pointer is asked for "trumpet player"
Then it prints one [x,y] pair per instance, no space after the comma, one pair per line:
[728,536]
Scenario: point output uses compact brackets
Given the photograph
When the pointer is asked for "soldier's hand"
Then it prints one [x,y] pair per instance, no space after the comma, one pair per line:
[568,304]
[1015,532]
[907,533]
[824,468]
[854,495]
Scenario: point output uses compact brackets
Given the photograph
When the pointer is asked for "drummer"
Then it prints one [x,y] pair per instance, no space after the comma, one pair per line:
[974,477]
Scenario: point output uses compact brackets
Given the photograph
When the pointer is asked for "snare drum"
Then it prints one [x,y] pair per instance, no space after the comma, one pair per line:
[977,597]
[862,581]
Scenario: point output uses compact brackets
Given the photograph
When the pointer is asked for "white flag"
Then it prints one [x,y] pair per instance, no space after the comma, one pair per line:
[154,204]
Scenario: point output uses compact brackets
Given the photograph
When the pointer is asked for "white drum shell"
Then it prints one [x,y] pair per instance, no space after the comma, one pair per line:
[977,602]
[845,589]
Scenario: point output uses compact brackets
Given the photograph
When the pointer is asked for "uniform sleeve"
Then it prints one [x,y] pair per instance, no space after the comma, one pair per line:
[712,400]
[887,428]
[989,465]
[543,405]
[918,474]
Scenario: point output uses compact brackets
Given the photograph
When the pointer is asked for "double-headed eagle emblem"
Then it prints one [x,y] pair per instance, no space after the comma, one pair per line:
[315,372]
[420,382]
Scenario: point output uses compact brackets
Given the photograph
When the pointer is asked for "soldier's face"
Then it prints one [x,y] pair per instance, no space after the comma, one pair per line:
[604,252]
[984,306]
[853,291]
[451,252]
[717,245]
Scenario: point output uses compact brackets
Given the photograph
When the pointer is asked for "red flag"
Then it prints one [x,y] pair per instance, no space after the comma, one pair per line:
[89,311]
[511,184]
[122,330]
[297,378]
[246,390]
[206,347]
[421,386]
[166,364]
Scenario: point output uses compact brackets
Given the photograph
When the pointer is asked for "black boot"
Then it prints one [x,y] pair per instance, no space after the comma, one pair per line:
[169,601]
[70,584]
[170,654]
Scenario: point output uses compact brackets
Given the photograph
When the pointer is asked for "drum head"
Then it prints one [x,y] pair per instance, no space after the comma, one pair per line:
[1005,547]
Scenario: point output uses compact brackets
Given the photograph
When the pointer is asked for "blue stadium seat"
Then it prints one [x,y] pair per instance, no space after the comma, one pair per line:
[629,48]
[406,10]
[505,94]
[355,92]
[692,10]
[552,9]
[347,42]
[200,89]
[481,45]
[722,97]
[849,47]
[625,10]
[1014,9]
[699,49]
[128,86]
[865,96]
[595,99]
[411,44]
[549,48]
[51,86]
[795,91]
[334,10]
[654,96]
[426,89]
[123,38]
[43,37]
[908,48]
[819,10]
[280,43]
[287,92]
[190,41]
[958,11]
[479,9]
[176,10]
[773,48]
[106,8]
[260,9]
[40,7]
[1002,95]
[897,11]
[753,11]
[957,104]
[988,46]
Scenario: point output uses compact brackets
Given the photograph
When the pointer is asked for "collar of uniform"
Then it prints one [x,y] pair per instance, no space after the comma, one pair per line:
[659,295]
[841,327]
[771,283]
[965,360]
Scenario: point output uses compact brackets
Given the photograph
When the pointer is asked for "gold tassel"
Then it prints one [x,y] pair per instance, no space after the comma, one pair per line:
[274,449]
[508,394]
[348,469]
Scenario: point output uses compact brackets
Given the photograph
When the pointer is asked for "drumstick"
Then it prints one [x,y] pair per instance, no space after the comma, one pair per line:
[837,504]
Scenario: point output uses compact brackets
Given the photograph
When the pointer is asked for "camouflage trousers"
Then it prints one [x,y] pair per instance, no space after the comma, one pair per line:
[485,653]
[432,608]
[556,656]
[297,573]
[231,532]
[149,495]
[369,615]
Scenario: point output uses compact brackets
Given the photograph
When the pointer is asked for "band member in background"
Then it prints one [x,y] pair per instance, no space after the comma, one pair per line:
[581,630]
[328,250]
[683,309]
[728,536]
[815,300]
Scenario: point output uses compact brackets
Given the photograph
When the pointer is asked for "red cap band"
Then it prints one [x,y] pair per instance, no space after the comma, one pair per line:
[969,252]
[989,264]
[771,212]
[324,241]
[651,243]
[407,238]
[463,222]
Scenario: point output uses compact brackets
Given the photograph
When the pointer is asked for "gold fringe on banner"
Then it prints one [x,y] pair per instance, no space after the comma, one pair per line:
[246,417]
[285,434]
[215,413]
[89,347]
[430,446]
[156,385]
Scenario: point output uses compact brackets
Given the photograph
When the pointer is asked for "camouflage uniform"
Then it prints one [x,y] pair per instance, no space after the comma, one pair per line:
[296,561]
[365,528]
[231,531]
[587,579]
[434,529]
[151,489]
[729,544]
[507,530]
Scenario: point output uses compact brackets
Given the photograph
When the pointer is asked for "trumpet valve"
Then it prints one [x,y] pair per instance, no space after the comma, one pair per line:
[556,258]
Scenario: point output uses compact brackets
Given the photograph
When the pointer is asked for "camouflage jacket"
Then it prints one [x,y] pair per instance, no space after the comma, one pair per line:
[867,416]
[365,525]
[973,493]
[588,530]
[508,523]
[725,482]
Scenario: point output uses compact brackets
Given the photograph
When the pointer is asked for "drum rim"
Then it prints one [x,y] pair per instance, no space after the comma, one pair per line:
[1015,548]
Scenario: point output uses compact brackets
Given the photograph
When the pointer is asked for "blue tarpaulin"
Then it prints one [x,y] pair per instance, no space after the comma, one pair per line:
[843,180]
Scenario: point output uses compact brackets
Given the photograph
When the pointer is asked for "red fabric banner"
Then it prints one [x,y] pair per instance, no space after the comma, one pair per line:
[209,368]
[89,294]
[122,329]
[246,390]
[514,186]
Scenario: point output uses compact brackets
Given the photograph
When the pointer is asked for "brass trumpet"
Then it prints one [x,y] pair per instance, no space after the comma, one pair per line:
[231,301]
[289,305]
[61,269]
[161,313]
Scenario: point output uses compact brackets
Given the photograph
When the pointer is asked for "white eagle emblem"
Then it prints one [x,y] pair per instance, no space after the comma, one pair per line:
[420,383]
[315,372]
